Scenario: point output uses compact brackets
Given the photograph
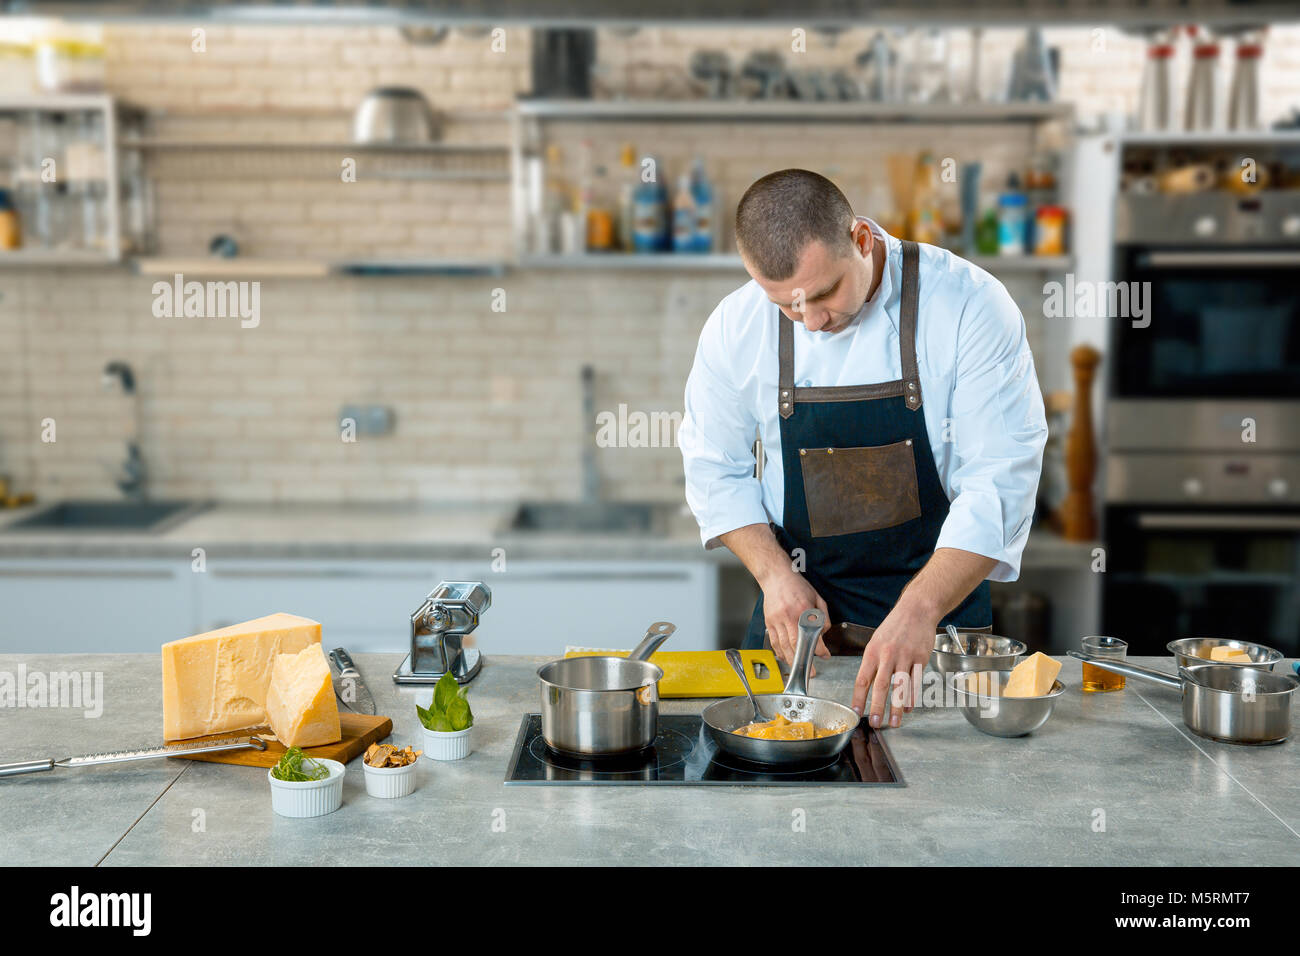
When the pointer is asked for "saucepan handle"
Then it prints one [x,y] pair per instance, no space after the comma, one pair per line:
[1131,670]
[659,632]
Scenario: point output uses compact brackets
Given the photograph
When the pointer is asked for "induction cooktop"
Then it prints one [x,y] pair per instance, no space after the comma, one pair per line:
[683,755]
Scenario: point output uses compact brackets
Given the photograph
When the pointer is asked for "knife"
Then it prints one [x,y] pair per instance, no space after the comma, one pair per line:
[349,687]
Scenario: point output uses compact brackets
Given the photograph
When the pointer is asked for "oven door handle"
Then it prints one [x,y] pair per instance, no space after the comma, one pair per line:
[1191,521]
[1225,259]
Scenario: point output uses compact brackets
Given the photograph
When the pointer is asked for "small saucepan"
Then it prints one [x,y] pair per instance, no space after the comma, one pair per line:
[1232,703]
[724,717]
[603,706]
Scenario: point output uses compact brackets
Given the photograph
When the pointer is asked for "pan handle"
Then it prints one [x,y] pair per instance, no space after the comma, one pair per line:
[659,632]
[810,628]
[1131,670]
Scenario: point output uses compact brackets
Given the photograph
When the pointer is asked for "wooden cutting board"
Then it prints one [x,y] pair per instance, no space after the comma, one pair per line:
[359,732]
[704,673]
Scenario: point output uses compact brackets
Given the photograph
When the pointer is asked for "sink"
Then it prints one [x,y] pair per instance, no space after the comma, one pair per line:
[147,516]
[589,517]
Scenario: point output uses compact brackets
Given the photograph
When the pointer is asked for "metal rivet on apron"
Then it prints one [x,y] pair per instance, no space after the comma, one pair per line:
[909,441]
[785,404]
[911,386]
[785,394]
[830,451]
[803,451]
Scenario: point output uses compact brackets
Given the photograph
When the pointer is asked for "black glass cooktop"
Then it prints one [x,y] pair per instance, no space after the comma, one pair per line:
[683,755]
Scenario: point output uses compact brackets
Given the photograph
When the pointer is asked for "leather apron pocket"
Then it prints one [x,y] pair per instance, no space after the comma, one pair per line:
[851,490]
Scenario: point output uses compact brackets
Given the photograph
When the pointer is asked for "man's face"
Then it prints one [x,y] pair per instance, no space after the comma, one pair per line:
[827,290]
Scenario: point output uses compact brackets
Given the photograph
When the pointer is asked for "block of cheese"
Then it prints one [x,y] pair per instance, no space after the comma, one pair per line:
[1229,655]
[216,682]
[1032,677]
[300,702]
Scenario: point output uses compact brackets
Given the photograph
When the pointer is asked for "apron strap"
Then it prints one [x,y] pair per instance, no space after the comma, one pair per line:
[907,326]
[785,359]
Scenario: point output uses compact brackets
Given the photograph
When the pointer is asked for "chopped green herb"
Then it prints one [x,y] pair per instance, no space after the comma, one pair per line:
[296,767]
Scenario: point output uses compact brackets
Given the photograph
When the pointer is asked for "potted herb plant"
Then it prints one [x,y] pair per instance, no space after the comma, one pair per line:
[447,721]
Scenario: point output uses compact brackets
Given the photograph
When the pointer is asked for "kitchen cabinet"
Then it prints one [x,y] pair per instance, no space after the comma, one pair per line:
[94,605]
[538,606]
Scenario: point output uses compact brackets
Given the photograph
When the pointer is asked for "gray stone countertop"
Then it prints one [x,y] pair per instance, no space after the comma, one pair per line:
[1111,779]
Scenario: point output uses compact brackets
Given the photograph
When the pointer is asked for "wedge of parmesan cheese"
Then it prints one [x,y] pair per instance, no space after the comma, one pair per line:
[300,703]
[1032,677]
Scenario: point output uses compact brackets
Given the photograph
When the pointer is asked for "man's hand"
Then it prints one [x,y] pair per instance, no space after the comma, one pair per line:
[893,663]
[896,654]
[786,595]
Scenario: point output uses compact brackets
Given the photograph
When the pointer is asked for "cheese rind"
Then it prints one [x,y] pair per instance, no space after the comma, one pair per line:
[300,702]
[1032,677]
[217,681]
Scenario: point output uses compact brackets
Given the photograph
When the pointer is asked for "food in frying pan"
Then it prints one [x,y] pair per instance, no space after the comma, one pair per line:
[1228,655]
[779,728]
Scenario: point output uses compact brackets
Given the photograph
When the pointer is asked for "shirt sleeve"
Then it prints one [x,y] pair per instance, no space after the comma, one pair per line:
[999,429]
[716,439]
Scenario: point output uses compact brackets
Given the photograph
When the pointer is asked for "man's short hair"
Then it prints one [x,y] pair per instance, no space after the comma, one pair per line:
[782,212]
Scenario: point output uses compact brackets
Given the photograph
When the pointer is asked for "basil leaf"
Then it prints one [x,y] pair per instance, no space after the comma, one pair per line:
[458,714]
[440,722]
[444,692]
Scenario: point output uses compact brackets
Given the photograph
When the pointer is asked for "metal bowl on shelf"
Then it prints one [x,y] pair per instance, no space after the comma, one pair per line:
[1000,716]
[394,115]
[1191,651]
[985,652]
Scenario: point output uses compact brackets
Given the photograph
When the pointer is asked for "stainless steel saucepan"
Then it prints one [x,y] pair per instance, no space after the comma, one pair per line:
[725,716]
[1232,703]
[602,706]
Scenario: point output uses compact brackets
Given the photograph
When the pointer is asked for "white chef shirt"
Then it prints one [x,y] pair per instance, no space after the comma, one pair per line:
[980,396]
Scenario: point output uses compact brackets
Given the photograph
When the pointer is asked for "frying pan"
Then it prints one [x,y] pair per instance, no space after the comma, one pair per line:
[1232,703]
[724,716]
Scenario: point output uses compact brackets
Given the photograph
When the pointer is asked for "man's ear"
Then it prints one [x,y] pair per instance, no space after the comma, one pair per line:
[862,237]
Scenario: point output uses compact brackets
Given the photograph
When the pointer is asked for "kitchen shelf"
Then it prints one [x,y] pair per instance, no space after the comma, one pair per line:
[725,262]
[254,267]
[794,110]
[303,146]
[54,258]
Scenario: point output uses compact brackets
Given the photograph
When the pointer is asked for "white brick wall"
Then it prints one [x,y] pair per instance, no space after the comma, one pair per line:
[487,404]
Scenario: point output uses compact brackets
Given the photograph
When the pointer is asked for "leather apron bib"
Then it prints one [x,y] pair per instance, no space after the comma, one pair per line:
[863,499]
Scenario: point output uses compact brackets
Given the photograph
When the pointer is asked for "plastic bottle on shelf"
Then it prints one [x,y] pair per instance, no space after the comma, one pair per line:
[629,180]
[684,216]
[650,216]
[702,191]
[1013,219]
[11,235]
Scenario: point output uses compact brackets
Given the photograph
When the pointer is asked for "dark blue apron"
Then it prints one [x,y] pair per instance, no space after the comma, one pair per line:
[863,499]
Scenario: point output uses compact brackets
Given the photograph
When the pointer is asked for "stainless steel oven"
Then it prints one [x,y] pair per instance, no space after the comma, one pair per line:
[1202,459]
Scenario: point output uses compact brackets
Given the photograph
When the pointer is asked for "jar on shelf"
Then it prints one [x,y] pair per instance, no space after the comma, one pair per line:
[16,70]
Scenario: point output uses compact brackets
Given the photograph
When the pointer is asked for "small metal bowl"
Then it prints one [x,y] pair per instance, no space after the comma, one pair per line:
[1196,650]
[988,652]
[1003,716]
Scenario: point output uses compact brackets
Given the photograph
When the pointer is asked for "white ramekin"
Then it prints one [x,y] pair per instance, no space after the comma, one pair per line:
[308,798]
[390,782]
[448,745]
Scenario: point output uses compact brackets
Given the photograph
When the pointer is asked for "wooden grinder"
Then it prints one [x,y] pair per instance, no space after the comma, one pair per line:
[1077,512]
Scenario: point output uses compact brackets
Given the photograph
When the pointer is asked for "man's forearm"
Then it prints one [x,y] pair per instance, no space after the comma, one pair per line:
[945,581]
[758,550]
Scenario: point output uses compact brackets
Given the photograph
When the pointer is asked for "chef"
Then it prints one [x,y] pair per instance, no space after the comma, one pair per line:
[899,428]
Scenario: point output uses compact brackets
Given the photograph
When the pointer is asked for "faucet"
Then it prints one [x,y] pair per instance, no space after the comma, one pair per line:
[590,473]
[130,476]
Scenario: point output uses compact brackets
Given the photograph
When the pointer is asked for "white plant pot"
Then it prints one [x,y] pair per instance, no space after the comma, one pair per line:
[390,782]
[309,798]
[448,745]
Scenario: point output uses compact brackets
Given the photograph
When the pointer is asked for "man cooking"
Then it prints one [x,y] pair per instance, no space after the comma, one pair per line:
[900,428]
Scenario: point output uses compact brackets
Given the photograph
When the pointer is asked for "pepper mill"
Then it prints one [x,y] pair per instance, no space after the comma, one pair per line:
[1080,523]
